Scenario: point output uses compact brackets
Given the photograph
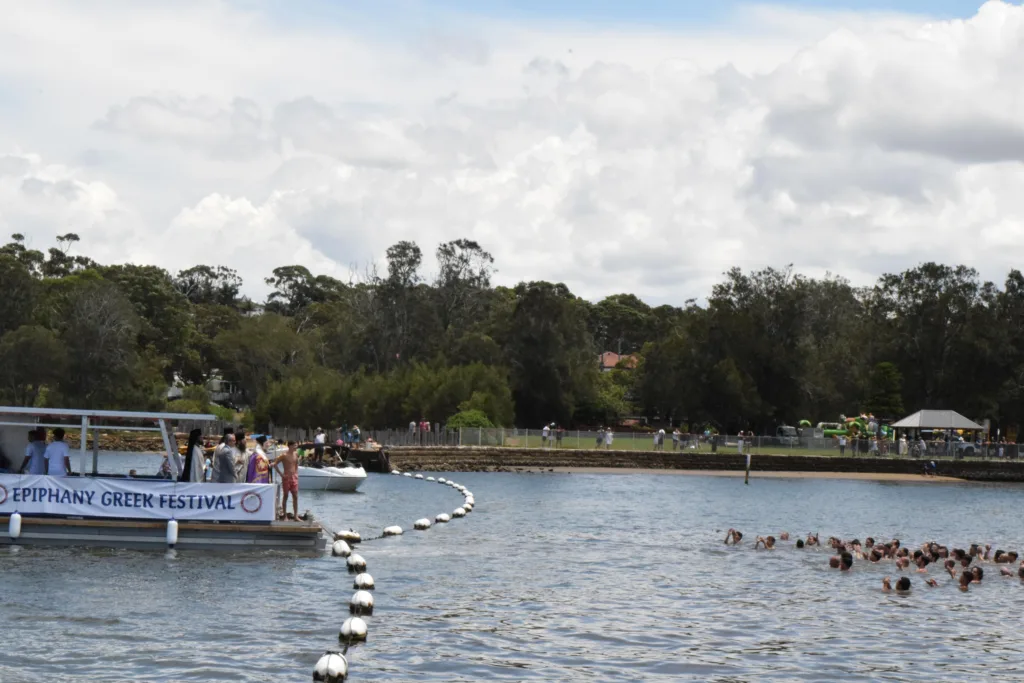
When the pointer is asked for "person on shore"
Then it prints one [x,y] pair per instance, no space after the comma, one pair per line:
[224,461]
[58,460]
[318,446]
[258,471]
[600,436]
[544,434]
[842,444]
[289,462]
[559,435]
[35,453]
[733,537]
[193,470]
[675,439]
[609,436]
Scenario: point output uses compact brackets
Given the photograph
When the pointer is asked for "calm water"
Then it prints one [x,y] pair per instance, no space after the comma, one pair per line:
[553,577]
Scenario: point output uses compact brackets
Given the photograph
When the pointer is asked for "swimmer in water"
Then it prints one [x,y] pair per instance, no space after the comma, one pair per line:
[977,574]
[784,536]
[845,562]
[932,582]
[965,581]
[769,542]
[799,543]
[812,540]
[733,537]
[902,563]
[833,562]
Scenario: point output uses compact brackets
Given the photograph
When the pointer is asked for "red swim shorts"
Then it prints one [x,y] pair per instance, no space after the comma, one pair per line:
[290,483]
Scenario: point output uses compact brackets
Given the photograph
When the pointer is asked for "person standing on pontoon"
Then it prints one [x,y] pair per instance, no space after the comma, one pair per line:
[35,453]
[258,471]
[58,461]
[194,470]
[224,461]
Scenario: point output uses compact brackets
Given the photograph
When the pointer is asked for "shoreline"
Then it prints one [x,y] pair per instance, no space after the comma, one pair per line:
[754,474]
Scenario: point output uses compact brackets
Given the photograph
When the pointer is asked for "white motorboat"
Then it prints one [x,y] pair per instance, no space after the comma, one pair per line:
[348,478]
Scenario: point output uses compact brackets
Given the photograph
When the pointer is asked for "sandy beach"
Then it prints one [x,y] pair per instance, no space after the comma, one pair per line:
[864,476]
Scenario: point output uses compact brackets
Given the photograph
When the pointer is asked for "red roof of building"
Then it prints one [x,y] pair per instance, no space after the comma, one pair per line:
[610,359]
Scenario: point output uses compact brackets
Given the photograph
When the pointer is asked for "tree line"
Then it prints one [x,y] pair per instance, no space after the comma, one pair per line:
[768,347]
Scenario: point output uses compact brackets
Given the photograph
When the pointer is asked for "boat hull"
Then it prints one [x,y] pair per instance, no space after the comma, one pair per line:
[149,535]
[346,480]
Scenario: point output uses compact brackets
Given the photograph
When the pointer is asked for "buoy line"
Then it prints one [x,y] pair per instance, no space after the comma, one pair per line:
[333,666]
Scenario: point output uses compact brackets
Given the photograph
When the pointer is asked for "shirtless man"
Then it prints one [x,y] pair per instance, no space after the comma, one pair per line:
[289,479]
[769,542]
[733,537]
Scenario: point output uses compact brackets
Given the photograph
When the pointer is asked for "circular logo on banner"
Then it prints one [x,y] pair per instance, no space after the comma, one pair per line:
[3,494]
[251,503]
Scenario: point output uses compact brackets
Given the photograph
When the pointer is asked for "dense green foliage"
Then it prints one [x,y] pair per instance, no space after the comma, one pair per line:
[767,347]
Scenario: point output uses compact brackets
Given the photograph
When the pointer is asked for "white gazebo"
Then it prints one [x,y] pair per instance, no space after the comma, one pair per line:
[937,419]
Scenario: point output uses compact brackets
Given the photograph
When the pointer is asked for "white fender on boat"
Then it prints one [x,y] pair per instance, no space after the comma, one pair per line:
[354,628]
[393,530]
[419,476]
[332,667]
[14,526]
[361,602]
[459,512]
[356,563]
[431,479]
[421,524]
[442,480]
[442,518]
[349,536]
[363,582]
[172,533]
[341,549]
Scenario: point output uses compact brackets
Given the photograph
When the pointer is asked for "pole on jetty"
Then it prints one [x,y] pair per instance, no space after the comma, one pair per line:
[746,478]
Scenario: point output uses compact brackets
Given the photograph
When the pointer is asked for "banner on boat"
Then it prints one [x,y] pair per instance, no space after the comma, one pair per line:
[135,499]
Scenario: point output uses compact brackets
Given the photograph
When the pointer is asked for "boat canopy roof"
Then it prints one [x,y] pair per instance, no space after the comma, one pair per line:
[116,414]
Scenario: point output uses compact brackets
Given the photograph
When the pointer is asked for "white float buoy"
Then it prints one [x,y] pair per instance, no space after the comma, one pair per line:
[396,471]
[361,602]
[431,479]
[332,667]
[363,582]
[459,512]
[353,628]
[172,533]
[460,488]
[419,476]
[393,530]
[356,563]
[341,549]
[467,507]
[468,493]
[442,480]
[14,526]
[471,500]
[349,536]
[407,474]
[442,518]
[421,524]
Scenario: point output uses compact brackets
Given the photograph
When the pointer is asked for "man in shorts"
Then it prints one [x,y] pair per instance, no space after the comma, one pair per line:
[289,479]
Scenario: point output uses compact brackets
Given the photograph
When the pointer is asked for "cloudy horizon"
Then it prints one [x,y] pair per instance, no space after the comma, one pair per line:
[643,151]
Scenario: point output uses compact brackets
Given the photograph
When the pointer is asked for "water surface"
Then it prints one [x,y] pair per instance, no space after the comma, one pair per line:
[554,577]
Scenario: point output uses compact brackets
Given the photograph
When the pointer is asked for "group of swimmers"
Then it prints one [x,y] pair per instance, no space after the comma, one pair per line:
[963,566]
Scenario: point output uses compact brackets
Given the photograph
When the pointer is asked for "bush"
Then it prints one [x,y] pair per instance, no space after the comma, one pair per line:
[185,406]
[469,419]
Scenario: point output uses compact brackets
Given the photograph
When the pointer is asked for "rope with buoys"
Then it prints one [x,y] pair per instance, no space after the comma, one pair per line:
[333,666]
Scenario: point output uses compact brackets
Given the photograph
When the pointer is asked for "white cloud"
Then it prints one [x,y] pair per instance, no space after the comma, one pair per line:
[614,160]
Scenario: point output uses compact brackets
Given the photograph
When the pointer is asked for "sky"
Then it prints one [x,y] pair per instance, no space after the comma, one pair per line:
[642,147]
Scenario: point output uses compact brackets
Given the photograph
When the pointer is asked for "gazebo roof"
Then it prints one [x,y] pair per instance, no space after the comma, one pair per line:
[936,419]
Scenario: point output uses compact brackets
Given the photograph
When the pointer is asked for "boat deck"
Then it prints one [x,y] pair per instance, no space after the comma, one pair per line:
[127,533]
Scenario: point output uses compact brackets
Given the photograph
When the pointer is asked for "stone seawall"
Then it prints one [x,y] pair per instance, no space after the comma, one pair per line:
[472,459]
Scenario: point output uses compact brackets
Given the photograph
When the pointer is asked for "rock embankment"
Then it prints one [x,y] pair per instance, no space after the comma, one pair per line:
[483,459]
